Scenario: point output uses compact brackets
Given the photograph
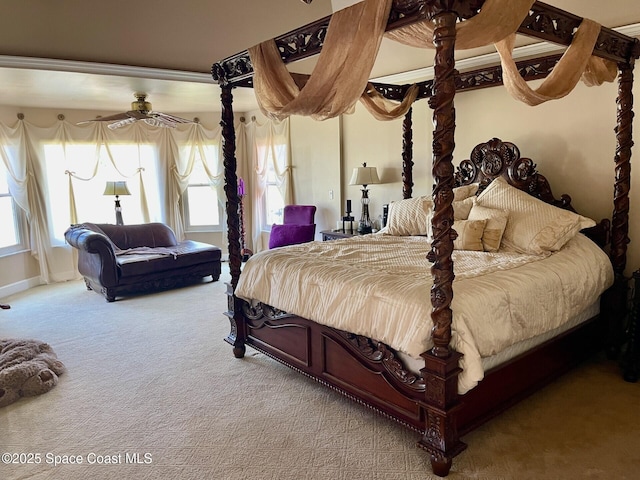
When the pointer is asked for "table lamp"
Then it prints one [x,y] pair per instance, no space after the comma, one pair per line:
[364,176]
[117,189]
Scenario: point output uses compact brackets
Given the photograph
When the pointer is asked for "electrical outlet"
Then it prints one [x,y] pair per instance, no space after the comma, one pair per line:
[331,194]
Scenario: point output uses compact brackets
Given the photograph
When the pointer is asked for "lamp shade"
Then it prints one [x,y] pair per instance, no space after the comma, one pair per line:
[116,188]
[364,175]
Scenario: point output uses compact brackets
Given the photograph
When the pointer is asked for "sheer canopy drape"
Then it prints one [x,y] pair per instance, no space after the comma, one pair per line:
[338,81]
[342,71]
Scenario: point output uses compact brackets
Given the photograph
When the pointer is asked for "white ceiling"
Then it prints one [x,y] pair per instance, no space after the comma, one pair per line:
[166,48]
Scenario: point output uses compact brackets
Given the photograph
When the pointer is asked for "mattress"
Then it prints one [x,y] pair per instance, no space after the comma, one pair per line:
[379,286]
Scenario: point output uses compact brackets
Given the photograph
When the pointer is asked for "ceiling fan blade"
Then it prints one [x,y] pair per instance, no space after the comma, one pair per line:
[110,118]
[131,114]
[169,118]
[122,123]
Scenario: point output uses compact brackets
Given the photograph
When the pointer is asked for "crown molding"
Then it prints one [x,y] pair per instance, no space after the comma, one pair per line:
[528,51]
[33,63]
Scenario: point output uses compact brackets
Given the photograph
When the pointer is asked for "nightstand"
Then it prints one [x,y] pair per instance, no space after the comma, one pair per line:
[336,234]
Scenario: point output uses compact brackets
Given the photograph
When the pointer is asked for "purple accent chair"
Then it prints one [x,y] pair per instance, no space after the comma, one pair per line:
[297,226]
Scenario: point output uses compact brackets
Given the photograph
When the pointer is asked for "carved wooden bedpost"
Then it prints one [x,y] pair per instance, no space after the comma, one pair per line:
[236,336]
[441,363]
[617,295]
[622,185]
[407,155]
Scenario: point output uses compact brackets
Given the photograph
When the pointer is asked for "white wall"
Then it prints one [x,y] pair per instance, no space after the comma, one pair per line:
[317,166]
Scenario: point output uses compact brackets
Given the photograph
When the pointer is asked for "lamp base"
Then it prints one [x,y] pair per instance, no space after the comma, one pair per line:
[364,229]
[118,212]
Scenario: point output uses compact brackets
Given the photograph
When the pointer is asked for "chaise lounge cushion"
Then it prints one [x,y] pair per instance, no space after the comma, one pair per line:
[143,260]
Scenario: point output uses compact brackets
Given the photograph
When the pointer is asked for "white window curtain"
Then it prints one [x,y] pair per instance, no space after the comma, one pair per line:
[21,158]
[101,155]
[180,148]
[264,143]
[48,166]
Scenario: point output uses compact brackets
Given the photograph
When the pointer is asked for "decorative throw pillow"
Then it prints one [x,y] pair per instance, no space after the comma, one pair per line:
[534,226]
[469,234]
[409,216]
[461,209]
[466,191]
[494,229]
[282,235]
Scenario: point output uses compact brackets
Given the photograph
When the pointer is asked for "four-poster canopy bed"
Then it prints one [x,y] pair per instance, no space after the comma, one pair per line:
[429,399]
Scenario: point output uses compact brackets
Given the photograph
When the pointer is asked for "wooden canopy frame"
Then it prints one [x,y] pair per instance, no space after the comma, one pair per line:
[440,433]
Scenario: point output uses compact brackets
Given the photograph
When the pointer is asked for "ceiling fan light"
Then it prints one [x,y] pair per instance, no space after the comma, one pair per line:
[140,110]
[140,105]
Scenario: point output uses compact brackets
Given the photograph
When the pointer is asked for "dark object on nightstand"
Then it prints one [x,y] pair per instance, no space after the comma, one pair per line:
[631,355]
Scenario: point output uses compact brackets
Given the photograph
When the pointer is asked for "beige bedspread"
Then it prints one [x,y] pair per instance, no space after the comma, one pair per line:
[379,285]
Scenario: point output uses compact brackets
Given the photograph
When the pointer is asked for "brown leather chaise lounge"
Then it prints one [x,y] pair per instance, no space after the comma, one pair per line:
[121,259]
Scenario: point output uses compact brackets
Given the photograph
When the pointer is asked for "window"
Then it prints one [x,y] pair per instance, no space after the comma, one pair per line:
[91,204]
[201,204]
[273,201]
[12,217]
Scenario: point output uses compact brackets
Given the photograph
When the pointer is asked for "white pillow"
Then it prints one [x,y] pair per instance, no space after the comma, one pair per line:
[494,229]
[461,208]
[409,216]
[534,226]
[466,191]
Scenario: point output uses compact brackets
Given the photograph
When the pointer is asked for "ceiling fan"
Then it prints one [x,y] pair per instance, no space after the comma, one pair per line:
[140,110]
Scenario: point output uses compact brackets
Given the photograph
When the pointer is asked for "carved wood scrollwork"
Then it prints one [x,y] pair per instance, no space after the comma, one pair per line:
[390,91]
[409,11]
[305,42]
[379,352]
[252,312]
[550,23]
[232,69]
[407,155]
[263,311]
[496,158]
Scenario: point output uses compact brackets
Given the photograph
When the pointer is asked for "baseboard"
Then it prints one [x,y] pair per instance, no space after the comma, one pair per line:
[20,286]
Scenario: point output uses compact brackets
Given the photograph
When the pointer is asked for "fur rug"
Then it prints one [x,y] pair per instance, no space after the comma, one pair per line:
[27,368]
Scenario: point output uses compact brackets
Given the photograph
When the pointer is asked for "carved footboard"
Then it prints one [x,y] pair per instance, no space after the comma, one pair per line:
[371,373]
[366,371]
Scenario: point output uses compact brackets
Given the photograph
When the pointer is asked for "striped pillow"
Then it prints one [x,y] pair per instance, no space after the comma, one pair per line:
[409,216]
[534,226]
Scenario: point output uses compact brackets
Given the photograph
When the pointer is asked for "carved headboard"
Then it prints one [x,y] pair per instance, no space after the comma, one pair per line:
[496,158]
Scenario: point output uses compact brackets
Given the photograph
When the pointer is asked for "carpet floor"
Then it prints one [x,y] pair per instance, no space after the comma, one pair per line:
[152,391]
